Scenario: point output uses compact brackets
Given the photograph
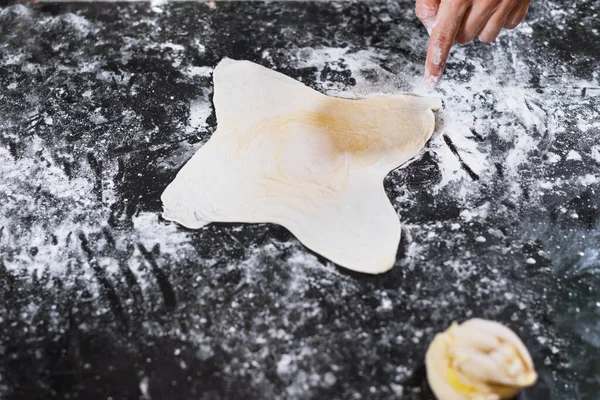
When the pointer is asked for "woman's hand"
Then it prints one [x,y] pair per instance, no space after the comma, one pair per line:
[461,20]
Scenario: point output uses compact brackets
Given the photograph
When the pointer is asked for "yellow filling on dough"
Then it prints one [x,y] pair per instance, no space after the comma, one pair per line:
[454,381]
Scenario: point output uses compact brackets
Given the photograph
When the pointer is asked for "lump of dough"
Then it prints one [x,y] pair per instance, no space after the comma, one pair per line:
[478,360]
[286,154]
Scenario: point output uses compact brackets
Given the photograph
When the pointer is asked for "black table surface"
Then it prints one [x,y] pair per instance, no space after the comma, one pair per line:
[101,104]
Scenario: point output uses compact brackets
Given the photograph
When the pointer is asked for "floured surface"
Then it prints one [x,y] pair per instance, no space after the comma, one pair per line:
[101,295]
[286,154]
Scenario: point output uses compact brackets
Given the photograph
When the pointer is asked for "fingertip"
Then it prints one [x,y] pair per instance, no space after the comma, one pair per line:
[485,38]
[489,33]
[462,40]
[517,16]
[432,79]
[512,24]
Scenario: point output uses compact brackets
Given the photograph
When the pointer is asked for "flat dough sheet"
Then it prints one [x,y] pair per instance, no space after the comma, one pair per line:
[286,154]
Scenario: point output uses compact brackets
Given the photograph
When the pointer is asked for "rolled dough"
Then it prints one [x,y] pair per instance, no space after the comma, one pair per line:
[286,154]
[478,360]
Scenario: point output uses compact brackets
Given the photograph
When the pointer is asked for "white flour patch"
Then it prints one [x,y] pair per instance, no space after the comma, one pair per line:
[172,46]
[595,153]
[13,59]
[198,71]
[589,179]
[81,25]
[200,110]
[573,155]
[151,231]
[66,208]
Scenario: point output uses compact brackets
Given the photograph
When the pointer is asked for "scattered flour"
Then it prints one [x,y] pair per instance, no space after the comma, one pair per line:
[198,71]
[573,155]
[501,127]
[200,110]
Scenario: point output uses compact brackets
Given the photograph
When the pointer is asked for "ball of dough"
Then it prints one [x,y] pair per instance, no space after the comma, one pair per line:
[478,360]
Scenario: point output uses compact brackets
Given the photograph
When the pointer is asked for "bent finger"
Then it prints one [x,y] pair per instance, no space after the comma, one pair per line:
[516,16]
[492,28]
[473,22]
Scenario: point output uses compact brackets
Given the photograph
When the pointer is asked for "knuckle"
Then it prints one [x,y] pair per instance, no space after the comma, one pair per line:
[492,3]
[424,11]
[419,10]
[462,6]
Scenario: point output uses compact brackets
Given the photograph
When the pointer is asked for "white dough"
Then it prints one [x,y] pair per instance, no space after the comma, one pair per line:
[286,154]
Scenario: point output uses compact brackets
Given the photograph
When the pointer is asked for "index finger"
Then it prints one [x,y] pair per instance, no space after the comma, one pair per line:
[449,20]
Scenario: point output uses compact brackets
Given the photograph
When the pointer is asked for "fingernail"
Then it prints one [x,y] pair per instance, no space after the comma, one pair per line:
[431,80]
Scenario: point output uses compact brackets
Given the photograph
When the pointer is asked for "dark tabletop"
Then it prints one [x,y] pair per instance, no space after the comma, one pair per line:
[101,104]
